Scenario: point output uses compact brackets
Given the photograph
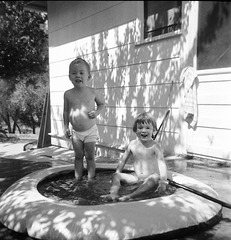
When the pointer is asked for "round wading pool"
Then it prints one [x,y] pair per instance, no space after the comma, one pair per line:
[64,188]
[24,209]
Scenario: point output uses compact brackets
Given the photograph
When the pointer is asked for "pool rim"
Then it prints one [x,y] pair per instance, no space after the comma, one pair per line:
[40,175]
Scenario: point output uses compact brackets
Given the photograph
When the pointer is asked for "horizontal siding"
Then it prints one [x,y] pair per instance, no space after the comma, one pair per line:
[132,78]
[70,12]
[122,57]
[214,92]
[121,136]
[152,75]
[123,117]
[87,19]
[211,142]
[135,78]
[213,133]
[214,116]
[212,138]
[114,122]
[131,96]
[113,40]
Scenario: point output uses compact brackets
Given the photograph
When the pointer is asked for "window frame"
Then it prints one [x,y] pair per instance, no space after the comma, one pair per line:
[140,27]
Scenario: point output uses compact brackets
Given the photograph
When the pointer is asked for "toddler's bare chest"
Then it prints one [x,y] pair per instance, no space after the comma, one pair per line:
[141,152]
[80,101]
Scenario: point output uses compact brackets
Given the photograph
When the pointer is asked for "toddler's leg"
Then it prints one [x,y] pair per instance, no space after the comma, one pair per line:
[79,154]
[90,158]
[113,195]
[116,184]
[148,184]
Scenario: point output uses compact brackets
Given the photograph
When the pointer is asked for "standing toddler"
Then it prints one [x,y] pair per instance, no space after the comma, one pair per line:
[80,111]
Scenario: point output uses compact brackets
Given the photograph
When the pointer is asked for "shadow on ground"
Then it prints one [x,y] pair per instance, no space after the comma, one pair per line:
[11,171]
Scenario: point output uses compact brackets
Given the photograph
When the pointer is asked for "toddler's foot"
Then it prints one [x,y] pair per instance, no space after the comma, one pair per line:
[77,180]
[110,197]
[125,198]
[106,197]
[90,180]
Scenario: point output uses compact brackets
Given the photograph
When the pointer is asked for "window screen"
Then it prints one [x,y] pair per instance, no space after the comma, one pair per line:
[161,17]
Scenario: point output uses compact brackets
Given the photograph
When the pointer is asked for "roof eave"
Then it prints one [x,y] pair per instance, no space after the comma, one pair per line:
[39,6]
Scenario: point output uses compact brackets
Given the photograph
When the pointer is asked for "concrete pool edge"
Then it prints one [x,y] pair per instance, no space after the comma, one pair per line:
[24,209]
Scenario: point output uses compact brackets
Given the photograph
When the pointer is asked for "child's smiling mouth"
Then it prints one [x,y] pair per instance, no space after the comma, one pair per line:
[144,134]
[78,80]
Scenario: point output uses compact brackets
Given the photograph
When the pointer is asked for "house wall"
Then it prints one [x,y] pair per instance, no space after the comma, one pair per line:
[132,75]
[213,133]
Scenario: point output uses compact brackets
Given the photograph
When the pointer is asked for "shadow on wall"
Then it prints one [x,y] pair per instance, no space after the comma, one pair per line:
[134,78]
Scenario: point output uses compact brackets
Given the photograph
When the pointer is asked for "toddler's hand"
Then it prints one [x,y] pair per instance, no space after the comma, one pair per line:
[161,188]
[67,133]
[92,114]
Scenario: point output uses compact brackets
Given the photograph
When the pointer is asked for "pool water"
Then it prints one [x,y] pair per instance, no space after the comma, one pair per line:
[64,188]
[215,175]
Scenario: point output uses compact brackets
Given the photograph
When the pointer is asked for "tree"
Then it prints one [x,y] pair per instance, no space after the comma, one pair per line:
[4,104]
[23,43]
[27,100]
[23,64]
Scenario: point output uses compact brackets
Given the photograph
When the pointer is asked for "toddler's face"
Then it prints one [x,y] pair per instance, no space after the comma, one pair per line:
[144,131]
[79,74]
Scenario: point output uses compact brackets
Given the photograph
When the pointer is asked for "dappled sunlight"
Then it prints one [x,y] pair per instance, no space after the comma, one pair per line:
[133,77]
[92,220]
[24,209]
[40,157]
[129,85]
[135,88]
[79,112]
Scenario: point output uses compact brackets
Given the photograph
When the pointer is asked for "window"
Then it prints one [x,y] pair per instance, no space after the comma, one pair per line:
[161,17]
[214,35]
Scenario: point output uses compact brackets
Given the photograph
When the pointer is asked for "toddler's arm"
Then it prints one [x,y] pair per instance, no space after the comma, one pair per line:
[163,172]
[124,159]
[100,106]
[162,168]
[161,163]
[66,118]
